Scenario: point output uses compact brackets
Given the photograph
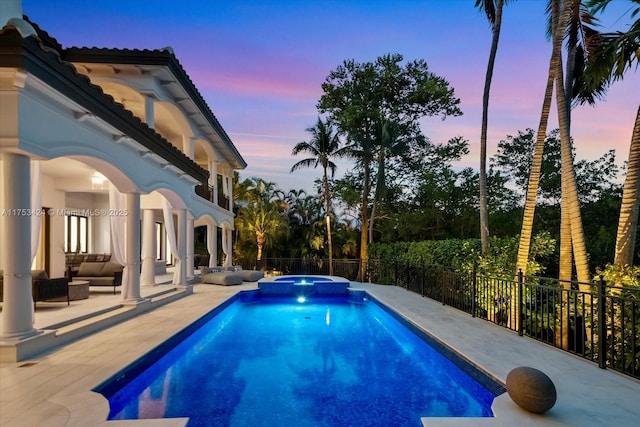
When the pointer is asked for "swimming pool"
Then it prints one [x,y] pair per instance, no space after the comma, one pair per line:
[329,361]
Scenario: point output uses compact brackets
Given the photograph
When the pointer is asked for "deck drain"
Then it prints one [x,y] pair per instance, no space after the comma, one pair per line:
[28,364]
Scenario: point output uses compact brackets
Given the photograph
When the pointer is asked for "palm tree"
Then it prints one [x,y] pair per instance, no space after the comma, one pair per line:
[571,230]
[261,211]
[526,233]
[628,221]
[579,35]
[323,146]
[493,10]
[570,216]
[615,53]
[264,220]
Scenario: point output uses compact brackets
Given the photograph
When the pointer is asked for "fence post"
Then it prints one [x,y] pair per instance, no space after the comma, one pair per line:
[474,289]
[406,284]
[395,274]
[422,280]
[443,286]
[519,308]
[602,326]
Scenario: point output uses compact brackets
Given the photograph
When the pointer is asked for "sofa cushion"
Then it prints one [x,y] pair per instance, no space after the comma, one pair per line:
[90,269]
[222,278]
[251,275]
[38,275]
[100,281]
[110,268]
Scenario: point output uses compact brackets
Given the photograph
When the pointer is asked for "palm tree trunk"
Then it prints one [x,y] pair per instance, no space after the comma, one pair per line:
[570,202]
[484,214]
[569,189]
[327,201]
[260,243]
[534,181]
[526,232]
[364,215]
[628,222]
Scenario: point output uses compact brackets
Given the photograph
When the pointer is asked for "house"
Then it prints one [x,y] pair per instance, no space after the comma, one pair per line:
[103,151]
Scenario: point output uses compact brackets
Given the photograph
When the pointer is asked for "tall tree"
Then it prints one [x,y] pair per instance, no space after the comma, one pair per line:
[493,10]
[571,19]
[628,221]
[571,230]
[357,95]
[526,233]
[323,146]
[615,53]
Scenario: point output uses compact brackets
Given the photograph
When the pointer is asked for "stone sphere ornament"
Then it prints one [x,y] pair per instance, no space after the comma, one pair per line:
[531,389]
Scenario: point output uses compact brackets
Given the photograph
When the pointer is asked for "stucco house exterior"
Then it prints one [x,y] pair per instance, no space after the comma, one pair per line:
[104,151]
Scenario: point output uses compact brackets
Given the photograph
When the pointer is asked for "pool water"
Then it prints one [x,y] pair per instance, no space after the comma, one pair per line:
[277,362]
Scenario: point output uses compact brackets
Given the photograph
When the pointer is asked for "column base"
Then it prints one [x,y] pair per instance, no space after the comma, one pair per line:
[16,349]
[137,302]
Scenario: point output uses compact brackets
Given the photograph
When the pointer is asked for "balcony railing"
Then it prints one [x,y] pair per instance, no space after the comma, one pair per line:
[206,192]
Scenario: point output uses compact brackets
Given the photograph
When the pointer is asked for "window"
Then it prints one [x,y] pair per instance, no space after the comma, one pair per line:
[159,241]
[76,231]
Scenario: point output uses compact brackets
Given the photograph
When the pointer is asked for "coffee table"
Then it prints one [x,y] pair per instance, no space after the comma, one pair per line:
[78,289]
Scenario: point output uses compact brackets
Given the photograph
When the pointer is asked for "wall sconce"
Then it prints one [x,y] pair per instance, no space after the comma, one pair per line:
[97,179]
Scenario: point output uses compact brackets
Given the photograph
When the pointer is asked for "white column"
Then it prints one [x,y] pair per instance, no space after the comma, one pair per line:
[149,114]
[17,308]
[188,146]
[212,244]
[190,245]
[182,245]
[131,289]
[149,248]
[213,177]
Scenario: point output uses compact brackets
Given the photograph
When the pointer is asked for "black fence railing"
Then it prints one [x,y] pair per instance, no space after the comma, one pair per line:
[596,321]
[347,268]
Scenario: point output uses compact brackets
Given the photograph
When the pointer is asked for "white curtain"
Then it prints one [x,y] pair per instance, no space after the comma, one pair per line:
[225,247]
[117,203]
[225,185]
[167,210]
[36,205]
[212,244]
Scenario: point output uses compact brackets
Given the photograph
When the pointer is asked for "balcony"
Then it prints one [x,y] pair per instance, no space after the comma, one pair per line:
[206,192]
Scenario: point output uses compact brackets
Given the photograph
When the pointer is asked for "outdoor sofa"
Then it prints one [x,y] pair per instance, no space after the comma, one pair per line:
[43,288]
[101,274]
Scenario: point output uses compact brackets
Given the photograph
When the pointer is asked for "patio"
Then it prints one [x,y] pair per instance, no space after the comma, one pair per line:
[54,388]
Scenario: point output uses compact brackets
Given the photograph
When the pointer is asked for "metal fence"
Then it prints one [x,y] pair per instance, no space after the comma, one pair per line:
[347,268]
[596,321]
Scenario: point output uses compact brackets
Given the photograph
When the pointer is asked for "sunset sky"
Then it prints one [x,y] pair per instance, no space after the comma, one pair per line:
[259,64]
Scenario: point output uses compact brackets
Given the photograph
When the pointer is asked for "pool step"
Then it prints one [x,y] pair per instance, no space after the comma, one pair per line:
[74,329]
